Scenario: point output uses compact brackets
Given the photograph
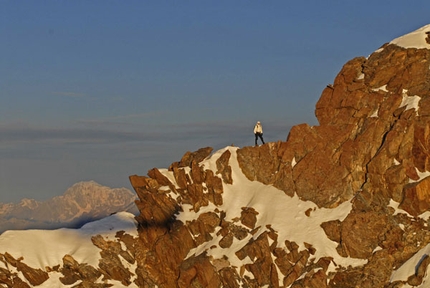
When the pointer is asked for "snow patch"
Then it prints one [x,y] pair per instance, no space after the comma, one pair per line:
[36,246]
[415,39]
[382,88]
[410,266]
[411,102]
[421,175]
[375,114]
[395,205]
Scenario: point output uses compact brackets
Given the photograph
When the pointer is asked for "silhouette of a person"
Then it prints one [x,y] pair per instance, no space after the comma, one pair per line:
[258,132]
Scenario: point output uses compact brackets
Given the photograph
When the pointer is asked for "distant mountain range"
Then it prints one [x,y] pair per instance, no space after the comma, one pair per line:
[83,202]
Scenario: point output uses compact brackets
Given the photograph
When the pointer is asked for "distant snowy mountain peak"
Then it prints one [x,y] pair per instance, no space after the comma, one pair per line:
[81,203]
[29,203]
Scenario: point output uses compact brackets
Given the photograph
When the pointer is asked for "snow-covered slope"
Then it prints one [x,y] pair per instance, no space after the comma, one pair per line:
[415,39]
[46,248]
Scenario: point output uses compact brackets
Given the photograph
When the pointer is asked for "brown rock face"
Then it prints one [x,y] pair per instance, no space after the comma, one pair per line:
[224,168]
[416,197]
[365,135]
[189,157]
[34,276]
[352,228]
[74,272]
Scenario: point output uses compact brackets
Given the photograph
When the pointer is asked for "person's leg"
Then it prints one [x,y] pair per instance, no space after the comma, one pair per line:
[256,138]
[261,137]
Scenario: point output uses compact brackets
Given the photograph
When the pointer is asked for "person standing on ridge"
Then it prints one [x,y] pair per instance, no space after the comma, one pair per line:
[258,132]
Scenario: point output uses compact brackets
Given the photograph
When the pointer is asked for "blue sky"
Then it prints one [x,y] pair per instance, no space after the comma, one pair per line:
[100,90]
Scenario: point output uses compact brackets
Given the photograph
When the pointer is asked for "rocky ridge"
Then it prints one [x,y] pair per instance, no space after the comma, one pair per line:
[371,149]
[370,155]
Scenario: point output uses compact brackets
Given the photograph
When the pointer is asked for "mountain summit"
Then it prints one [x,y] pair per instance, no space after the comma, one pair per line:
[342,204]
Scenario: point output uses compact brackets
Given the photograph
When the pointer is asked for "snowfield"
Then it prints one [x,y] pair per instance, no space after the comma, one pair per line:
[42,248]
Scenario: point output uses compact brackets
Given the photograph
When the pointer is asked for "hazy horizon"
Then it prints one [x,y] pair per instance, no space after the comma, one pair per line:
[103,90]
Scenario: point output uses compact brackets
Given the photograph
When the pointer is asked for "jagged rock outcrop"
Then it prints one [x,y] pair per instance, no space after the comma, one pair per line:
[34,276]
[83,202]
